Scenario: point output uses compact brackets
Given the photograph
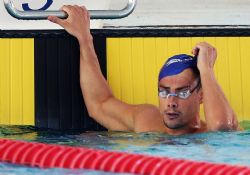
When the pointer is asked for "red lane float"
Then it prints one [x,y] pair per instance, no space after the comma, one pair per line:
[56,156]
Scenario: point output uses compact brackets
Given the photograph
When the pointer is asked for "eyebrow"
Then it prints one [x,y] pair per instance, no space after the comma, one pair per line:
[179,88]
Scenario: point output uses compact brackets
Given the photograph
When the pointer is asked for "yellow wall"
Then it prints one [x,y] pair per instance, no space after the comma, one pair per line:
[134,63]
[133,66]
[17,81]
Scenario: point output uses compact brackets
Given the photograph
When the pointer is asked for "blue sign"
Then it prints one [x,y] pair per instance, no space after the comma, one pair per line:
[45,7]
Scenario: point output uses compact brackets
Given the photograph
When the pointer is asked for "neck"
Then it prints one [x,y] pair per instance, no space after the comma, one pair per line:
[181,131]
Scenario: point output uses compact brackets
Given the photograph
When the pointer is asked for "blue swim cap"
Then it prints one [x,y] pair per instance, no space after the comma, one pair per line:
[177,64]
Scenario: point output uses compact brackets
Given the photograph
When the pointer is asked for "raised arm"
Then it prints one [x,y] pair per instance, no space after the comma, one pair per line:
[100,102]
[97,95]
[218,113]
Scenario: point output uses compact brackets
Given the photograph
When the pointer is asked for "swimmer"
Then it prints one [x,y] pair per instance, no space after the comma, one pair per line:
[185,82]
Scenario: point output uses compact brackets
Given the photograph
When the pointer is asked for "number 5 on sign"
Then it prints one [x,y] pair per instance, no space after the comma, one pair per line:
[45,7]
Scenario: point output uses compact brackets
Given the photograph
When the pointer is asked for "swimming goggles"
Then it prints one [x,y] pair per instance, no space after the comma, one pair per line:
[183,94]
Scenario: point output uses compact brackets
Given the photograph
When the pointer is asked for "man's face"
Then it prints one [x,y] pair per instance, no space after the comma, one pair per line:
[180,113]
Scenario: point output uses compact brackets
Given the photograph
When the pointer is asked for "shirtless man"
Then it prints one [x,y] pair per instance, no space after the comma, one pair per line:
[180,90]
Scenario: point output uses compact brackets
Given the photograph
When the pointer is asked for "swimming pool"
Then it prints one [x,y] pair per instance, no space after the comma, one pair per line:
[219,147]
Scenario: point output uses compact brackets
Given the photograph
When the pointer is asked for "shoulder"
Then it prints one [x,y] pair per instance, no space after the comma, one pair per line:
[147,118]
[202,127]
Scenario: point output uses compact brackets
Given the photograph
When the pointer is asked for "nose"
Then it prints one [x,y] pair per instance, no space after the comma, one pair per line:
[171,102]
[172,105]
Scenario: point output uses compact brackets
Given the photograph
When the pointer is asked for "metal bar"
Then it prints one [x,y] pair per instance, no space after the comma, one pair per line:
[94,14]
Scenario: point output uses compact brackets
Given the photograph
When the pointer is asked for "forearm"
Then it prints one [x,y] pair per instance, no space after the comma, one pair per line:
[218,113]
[94,87]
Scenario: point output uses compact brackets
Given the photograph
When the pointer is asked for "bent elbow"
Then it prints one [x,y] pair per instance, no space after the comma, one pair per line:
[93,112]
[230,124]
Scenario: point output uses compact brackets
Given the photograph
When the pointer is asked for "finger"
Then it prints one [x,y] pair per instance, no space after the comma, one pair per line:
[84,8]
[67,8]
[195,51]
[202,46]
[76,6]
[206,45]
[88,15]
[198,46]
[85,11]
[78,9]
[56,20]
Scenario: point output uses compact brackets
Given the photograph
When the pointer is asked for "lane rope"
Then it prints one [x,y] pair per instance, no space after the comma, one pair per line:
[56,156]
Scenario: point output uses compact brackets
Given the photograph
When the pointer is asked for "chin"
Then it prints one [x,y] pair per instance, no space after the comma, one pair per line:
[174,125]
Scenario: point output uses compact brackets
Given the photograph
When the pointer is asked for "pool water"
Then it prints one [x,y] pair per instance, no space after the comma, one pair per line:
[9,169]
[219,147]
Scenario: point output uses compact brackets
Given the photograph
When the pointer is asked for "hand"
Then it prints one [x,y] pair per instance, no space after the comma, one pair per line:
[206,55]
[77,23]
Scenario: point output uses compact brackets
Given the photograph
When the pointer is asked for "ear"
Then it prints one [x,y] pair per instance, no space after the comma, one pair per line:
[200,96]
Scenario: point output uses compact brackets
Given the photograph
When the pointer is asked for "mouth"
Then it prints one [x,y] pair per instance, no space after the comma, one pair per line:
[172,115]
